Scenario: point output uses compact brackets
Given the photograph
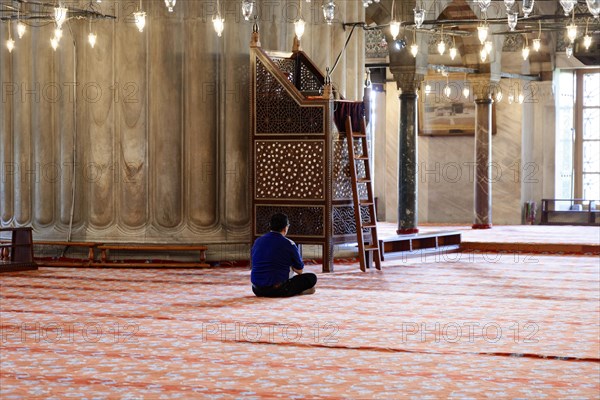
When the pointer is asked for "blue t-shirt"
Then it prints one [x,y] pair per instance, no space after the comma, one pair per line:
[272,256]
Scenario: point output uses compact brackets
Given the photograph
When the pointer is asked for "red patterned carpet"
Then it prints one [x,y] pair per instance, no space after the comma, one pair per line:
[507,326]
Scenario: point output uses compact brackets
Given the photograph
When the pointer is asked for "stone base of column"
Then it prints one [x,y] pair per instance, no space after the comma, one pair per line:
[482,226]
[407,231]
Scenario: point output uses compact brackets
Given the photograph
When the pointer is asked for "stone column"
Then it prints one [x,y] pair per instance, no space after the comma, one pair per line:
[483,156]
[407,148]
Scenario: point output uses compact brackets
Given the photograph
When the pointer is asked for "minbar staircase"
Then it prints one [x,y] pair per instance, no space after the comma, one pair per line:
[368,252]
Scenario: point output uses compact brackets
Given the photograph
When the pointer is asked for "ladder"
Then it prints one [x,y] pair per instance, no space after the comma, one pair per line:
[367,252]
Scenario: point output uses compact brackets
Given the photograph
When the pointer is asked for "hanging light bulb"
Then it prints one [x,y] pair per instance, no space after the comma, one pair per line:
[453,52]
[453,49]
[427,89]
[420,16]
[482,33]
[218,24]
[140,20]
[488,47]
[587,41]
[466,91]
[414,47]
[54,43]
[511,98]
[521,98]
[58,34]
[537,42]
[248,7]
[60,15]
[10,43]
[593,7]
[441,46]
[299,27]
[300,24]
[21,28]
[329,11]
[509,4]
[569,50]
[92,39]
[170,4]
[512,18]
[394,29]
[483,54]
[447,89]
[525,53]
[527,7]
[572,32]
[91,36]
[568,5]
[499,96]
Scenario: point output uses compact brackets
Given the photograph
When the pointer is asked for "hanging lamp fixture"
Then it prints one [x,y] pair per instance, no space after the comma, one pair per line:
[21,28]
[525,50]
[587,39]
[453,49]
[572,29]
[414,47]
[170,4]
[218,21]
[140,18]
[10,43]
[394,25]
[248,8]
[329,11]
[527,7]
[91,36]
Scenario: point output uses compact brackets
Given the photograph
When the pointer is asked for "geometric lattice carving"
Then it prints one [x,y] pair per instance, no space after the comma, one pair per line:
[343,220]
[286,65]
[289,169]
[276,110]
[304,221]
[308,81]
[342,184]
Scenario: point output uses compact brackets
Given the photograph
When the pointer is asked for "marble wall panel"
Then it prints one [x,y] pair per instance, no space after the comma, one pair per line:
[148,140]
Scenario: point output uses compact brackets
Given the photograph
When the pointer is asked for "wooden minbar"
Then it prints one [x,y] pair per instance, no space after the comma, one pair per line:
[299,161]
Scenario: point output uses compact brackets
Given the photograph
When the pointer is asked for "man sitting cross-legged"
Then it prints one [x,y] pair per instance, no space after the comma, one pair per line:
[272,257]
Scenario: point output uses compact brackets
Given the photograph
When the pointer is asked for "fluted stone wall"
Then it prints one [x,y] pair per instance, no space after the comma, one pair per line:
[144,138]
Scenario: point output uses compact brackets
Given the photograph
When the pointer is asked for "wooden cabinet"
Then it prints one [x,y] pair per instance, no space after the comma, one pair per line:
[16,250]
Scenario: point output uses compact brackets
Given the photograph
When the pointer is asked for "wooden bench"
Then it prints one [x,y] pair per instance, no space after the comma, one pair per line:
[90,246]
[574,212]
[419,241]
[106,248]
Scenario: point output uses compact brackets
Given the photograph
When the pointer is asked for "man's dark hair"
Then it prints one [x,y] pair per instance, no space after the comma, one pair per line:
[278,222]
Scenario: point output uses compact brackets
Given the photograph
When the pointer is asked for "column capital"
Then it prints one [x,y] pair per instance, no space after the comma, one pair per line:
[483,86]
[407,78]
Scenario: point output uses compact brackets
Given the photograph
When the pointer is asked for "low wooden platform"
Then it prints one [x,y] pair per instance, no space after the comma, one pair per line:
[419,241]
[147,248]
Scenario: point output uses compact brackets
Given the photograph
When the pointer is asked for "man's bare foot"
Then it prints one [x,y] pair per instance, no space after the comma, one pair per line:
[309,291]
